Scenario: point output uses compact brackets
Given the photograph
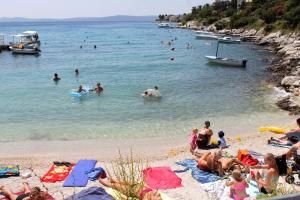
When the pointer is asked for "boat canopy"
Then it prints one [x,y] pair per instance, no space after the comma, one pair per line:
[30,33]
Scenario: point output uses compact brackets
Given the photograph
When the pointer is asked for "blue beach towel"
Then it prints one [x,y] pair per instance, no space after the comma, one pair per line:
[93,193]
[78,176]
[199,175]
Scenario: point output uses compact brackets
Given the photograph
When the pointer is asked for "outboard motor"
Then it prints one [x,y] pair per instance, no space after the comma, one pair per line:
[244,61]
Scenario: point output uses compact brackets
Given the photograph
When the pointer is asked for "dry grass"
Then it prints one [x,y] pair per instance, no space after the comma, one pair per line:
[128,171]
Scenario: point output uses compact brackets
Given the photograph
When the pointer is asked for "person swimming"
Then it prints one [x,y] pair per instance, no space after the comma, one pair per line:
[76,72]
[80,89]
[98,89]
[56,78]
[152,92]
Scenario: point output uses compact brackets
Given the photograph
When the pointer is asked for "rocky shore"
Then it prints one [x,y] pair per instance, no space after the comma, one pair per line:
[285,65]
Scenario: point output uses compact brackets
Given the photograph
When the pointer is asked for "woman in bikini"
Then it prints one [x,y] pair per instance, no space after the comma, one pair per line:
[34,193]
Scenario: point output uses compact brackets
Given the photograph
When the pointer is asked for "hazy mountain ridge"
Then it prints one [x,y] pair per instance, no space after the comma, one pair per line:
[109,18]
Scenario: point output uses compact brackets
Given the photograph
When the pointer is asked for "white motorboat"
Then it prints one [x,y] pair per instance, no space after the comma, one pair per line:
[26,43]
[229,40]
[226,61]
[206,35]
[164,25]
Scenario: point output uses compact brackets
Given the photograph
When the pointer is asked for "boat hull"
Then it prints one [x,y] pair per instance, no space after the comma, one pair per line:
[227,62]
[206,37]
[25,51]
[230,41]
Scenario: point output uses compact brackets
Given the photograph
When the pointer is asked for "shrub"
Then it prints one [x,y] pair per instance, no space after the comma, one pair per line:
[211,20]
[221,24]
[269,28]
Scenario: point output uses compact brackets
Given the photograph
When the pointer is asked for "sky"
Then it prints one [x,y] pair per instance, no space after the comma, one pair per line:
[94,8]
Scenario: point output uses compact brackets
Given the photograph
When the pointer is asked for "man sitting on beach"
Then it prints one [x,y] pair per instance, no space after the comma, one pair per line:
[294,133]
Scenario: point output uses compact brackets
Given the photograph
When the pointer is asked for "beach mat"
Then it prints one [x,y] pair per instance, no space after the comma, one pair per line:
[280,145]
[161,178]
[78,177]
[199,175]
[93,193]
[219,191]
[9,170]
[57,172]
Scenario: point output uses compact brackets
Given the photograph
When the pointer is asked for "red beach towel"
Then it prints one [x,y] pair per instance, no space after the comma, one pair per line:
[57,173]
[161,178]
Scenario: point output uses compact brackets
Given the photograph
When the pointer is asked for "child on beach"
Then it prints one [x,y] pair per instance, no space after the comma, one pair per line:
[237,186]
[222,142]
[193,139]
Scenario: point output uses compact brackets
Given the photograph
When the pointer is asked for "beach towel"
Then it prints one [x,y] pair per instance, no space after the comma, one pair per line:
[287,146]
[199,175]
[249,160]
[95,173]
[58,172]
[93,193]
[161,178]
[218,190]
[9,170]
[78,176]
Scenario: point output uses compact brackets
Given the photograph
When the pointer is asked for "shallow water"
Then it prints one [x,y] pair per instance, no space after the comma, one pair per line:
[32,107]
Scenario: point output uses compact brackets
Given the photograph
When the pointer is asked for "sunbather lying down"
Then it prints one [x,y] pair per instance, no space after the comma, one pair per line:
[137,190]
[215,163]
[34,193]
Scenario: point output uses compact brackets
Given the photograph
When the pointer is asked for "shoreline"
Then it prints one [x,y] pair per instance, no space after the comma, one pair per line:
[284,66]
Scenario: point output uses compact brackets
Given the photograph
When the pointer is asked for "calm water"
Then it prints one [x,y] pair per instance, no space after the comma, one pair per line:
[32,107]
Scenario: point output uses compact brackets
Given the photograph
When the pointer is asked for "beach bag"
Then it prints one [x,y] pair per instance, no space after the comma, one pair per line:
[242,153]
[249,160]
[281,164]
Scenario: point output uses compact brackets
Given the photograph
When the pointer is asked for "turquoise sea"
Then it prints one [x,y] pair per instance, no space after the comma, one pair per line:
[129,58]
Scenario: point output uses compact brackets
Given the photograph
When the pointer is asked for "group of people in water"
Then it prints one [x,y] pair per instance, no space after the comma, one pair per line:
[98,88]
[265,175]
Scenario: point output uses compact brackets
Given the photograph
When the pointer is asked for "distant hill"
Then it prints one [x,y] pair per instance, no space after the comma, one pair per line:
[120,18]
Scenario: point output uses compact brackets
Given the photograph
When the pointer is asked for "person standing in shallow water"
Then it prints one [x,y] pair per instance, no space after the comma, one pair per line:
[98,89]
[76,72]
[56,78]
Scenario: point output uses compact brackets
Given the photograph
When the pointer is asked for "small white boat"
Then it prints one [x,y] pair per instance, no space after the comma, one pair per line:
[227,61]
[229,40]
[27,43]
[164,25]
[206,35]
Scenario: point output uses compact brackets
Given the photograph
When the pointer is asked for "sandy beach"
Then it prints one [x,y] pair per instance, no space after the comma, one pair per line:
[38,157]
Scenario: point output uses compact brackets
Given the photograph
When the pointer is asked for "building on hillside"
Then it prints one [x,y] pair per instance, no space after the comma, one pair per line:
[241,2]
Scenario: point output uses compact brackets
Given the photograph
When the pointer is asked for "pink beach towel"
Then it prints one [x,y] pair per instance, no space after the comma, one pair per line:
[161,178]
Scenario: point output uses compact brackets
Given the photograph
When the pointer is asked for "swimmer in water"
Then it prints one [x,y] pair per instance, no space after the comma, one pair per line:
[98,89]
[80,89]
[56,78]
[76,72]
